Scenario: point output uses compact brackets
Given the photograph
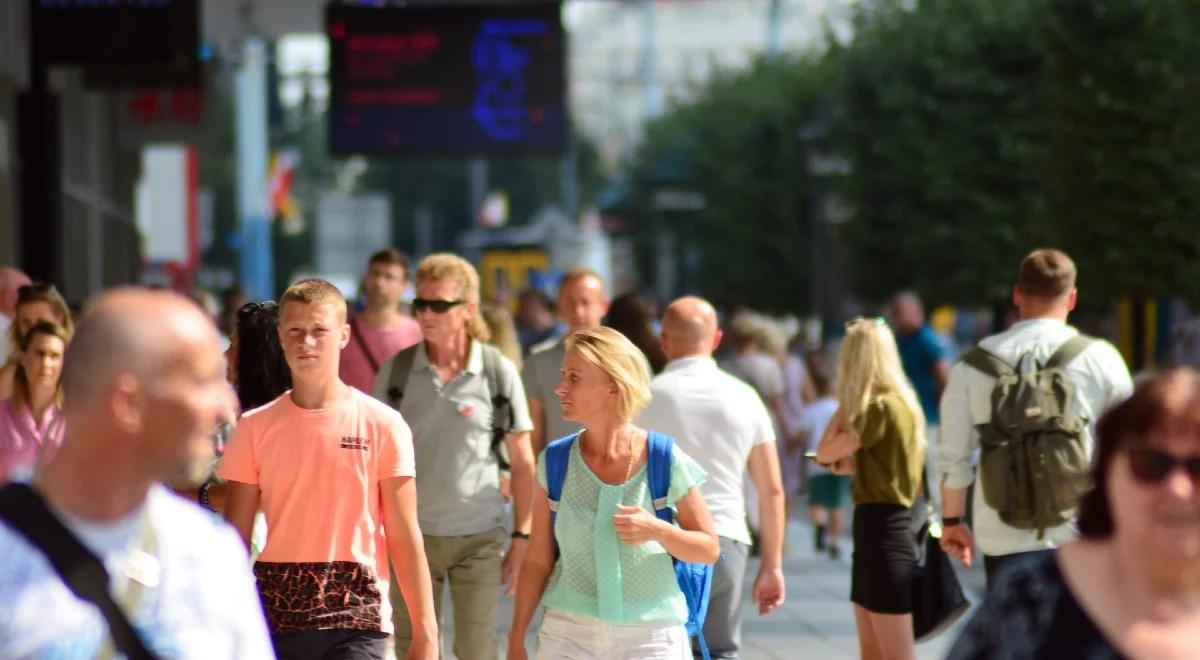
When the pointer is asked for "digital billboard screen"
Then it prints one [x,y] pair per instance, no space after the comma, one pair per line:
[447,79]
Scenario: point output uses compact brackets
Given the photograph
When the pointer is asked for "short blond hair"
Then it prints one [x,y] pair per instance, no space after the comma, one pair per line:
[624,363]
[314,291]
[446,266]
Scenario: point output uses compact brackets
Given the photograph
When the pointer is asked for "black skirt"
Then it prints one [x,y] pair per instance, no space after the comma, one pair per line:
[885,555]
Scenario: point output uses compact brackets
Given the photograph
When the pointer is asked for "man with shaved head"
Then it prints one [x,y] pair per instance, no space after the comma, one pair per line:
[144,390]
[11,280]
[722,423]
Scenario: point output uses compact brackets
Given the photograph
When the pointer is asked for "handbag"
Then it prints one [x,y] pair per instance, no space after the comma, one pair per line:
[937,596]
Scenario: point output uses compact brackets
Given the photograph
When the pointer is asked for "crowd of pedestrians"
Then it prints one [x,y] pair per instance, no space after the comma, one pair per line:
[612,470]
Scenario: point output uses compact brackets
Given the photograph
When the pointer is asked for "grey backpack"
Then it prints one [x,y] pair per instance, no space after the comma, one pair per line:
[1034,461]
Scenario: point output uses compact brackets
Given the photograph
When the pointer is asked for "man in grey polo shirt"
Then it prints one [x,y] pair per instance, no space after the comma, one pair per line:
[446,399]
[582,303]
[722,423]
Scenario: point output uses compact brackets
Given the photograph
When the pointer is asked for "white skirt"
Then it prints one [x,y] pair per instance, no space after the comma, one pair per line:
[566,635]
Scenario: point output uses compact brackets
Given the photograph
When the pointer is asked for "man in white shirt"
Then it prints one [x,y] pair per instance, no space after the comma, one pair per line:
[11,280]
[1044,294]
[722,423]
[144,388]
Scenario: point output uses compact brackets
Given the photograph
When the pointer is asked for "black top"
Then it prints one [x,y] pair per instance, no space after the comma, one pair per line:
[1031,613]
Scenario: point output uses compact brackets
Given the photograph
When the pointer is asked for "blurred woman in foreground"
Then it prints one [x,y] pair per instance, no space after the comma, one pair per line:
[1130,587]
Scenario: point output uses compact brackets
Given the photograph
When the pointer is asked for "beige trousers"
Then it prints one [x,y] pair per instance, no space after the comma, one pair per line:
[472,565]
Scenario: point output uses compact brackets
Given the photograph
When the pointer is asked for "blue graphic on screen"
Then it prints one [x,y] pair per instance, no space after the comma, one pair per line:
[500,67]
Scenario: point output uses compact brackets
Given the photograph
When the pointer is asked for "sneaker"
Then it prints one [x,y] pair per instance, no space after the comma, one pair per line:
[835,552]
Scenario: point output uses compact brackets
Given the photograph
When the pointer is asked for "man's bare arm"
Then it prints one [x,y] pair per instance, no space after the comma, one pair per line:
[406,549]
[241,505]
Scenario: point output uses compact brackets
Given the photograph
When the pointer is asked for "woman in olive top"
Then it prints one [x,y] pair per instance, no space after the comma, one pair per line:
[611,592]
[876,434]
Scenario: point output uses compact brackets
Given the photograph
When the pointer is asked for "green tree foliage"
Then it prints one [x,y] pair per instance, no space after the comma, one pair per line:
[740,146]
[975,131]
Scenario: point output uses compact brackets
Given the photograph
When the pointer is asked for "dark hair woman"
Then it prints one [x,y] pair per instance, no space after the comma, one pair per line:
[630,315]
[257,368]
[31,425]
[1130,587]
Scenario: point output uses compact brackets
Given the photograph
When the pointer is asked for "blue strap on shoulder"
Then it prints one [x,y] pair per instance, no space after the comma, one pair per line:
[558,455]
[695,580]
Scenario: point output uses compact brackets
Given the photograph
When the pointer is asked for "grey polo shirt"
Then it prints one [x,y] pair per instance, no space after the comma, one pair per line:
[541,374]
[458,480]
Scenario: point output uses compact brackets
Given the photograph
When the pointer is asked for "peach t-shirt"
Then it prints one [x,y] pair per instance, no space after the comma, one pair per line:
[325,564]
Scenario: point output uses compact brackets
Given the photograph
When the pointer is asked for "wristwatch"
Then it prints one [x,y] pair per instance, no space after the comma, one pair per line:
[952,521]
[520,535]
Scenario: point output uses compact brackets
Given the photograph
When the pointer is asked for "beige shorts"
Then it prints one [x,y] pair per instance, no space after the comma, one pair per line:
[566,635]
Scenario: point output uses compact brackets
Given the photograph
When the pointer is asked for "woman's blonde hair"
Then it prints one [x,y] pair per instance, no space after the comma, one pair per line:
[503,330]
[446,266]
[624,363]
[869,367]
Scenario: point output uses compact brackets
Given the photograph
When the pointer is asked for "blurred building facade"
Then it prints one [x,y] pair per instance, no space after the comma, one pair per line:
[631,60]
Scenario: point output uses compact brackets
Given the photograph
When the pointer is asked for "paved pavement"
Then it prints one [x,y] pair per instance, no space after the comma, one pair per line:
[816,621]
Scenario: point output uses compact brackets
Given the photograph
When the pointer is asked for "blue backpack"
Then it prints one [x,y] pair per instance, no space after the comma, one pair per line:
[695,580]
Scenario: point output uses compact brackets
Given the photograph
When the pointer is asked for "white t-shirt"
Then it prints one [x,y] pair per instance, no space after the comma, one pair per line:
[813,420]
[205,604]
[716,419]
[1101,379]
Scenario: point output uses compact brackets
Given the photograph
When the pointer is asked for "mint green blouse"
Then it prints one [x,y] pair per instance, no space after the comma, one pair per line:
[596,574]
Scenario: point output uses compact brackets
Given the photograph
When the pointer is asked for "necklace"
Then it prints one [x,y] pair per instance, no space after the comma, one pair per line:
[629,467]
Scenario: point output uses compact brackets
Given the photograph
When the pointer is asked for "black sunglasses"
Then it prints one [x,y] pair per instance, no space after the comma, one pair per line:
[438,306]
[1151,466]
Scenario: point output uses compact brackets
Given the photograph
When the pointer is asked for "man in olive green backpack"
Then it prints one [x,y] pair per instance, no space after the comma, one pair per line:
[1024,401]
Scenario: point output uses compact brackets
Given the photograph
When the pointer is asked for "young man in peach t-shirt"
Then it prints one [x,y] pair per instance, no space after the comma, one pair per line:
[333,470]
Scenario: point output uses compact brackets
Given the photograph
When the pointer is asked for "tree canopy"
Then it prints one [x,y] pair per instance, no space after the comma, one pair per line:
[974,131]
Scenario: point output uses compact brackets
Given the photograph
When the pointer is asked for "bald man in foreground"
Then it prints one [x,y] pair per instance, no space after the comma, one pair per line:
[144,388]
[722,423]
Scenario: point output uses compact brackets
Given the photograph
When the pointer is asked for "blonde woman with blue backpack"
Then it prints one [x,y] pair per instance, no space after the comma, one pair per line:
[622,543]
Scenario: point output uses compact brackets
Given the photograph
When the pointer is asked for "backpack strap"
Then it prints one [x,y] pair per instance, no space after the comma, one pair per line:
[658,472]
[1069,350]
[502,410]
[986,361]
[402,365]
[558,456]
[84,574]
[362,344]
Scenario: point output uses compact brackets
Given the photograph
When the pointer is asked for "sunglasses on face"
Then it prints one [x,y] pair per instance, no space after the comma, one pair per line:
[1151,466]
[438,306]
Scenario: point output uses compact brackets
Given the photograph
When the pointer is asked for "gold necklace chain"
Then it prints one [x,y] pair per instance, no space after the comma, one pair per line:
[629,467]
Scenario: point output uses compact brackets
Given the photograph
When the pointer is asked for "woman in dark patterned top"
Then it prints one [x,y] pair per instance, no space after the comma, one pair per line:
[1130,588]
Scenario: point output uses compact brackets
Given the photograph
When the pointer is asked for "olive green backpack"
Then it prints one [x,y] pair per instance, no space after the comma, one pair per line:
[1033,461]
